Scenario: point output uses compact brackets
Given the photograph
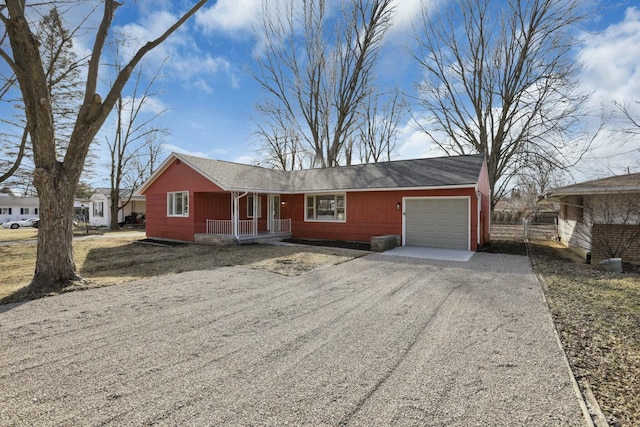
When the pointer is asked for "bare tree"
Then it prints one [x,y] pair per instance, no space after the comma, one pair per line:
[501,80]
[135,136]
[62,70]
[281,146]
[56,177]
[534,180]
[616,224]
[318,73]
[632,122]
[378,131]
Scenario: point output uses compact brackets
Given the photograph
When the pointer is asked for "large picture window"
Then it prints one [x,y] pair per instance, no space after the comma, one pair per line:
[178,203]
[326,207]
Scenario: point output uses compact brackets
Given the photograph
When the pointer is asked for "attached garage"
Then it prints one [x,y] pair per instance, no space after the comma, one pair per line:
[437,222]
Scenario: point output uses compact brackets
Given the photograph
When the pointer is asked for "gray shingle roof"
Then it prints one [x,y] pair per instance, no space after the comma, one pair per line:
[419,173]
[612,184]
[106,191]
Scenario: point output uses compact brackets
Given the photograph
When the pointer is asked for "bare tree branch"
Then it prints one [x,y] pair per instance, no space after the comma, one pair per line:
[500,80]
[318,80]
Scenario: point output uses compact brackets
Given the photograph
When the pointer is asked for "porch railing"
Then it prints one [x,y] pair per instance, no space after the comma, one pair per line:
[220,226]
[245,227]
[281,225]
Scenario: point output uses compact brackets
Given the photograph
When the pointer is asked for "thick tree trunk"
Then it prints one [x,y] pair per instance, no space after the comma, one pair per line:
[114,209]
[55,266]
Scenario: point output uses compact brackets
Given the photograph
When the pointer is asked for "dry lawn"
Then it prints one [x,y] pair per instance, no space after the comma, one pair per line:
[107,261]
[26,233]
[598,317]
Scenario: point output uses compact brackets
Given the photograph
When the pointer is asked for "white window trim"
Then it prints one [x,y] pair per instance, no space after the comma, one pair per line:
[185,206]
[314,195]
[250,203]
[98,213]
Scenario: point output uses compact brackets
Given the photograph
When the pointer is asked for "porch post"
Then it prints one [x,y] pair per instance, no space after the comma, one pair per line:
[269,213]
[234,216]
[255,214]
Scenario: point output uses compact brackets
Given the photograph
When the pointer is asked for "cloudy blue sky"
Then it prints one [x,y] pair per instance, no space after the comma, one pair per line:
[209,95]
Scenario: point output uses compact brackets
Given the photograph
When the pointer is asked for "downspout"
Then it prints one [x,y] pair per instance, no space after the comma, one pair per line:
[235,216]
[479,221]
[256,214]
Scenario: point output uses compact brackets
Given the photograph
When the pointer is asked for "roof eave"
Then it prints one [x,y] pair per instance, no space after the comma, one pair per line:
[592,191]
[353,190]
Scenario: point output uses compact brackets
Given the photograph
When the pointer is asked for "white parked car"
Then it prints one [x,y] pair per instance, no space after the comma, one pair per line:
[22,223]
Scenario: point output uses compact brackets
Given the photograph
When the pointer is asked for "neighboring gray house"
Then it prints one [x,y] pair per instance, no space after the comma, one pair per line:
[100,211]
[14,208]
[598,210]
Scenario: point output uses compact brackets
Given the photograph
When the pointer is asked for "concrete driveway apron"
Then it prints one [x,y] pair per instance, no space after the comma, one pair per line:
[379,340]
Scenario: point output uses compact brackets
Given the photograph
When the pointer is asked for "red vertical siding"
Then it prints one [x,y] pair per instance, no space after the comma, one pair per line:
[262,220]
[159,225]
[210,206]
[178,177]
[369,213]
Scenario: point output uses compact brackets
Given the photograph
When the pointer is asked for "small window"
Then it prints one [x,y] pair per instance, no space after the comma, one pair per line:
[24,211]
[98,209]
[250,207]
[326,207]
[5,211]
[178,203]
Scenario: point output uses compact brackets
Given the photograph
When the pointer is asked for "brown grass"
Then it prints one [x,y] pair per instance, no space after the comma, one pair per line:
[108,261]
[25,233]
[598,317]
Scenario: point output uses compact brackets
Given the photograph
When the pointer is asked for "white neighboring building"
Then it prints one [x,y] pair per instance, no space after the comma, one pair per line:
[14,208]
[100,211]
[18,208]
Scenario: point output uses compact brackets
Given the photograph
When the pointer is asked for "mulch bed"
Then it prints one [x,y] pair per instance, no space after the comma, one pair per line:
[362,246]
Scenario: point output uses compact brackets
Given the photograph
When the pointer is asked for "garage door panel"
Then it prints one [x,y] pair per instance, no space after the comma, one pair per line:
[437,223]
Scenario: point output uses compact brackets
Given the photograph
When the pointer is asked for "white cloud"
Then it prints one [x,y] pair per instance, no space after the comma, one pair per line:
[611,72]
[246,160]
[415,144]
[215,153]
[406,11]
[182,58]
[611,61]
[230,16]
[152,105]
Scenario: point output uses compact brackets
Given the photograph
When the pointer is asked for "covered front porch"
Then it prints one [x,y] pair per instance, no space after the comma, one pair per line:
[252,218]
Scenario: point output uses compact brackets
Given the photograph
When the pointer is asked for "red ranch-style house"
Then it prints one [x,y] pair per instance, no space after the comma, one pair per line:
[435,202]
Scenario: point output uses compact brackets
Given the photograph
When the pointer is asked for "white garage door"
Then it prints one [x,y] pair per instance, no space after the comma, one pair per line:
[437,223]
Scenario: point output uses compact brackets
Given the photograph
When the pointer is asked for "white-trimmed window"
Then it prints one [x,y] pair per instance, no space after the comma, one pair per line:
[178,203]
[24,211]
[98,209]
[5,211]
[326,207]
[250,207]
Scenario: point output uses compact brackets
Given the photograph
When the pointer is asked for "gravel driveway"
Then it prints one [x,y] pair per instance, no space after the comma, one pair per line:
[375,341]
